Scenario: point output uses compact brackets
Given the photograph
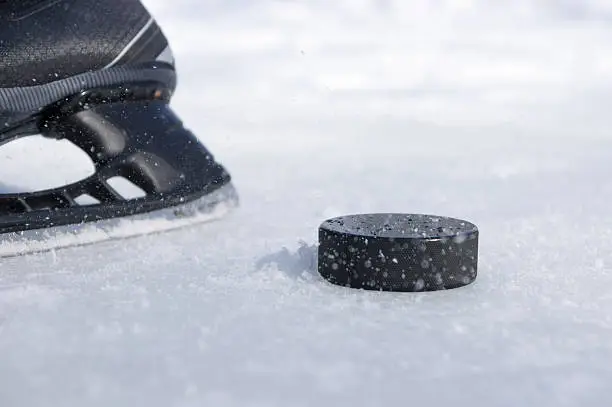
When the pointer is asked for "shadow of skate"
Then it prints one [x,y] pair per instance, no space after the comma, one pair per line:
[298,264]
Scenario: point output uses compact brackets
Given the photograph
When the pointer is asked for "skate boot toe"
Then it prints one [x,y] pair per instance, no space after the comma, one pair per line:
[100,75]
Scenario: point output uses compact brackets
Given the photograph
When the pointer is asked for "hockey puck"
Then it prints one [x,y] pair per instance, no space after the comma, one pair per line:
[398,252]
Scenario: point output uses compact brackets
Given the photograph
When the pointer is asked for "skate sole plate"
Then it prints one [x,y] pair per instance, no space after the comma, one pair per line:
[206,209]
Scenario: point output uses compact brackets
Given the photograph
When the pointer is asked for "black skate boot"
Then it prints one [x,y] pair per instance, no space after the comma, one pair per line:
[101,75]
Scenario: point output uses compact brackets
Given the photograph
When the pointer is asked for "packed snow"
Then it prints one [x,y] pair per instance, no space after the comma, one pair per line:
[494,112]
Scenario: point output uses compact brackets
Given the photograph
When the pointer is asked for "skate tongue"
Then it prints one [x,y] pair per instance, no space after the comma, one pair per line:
[209,208]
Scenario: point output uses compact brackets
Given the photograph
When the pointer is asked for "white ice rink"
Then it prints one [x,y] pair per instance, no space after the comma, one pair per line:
[498,112]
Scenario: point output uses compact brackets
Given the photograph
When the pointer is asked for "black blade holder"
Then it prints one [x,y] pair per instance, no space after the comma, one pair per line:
[128,132]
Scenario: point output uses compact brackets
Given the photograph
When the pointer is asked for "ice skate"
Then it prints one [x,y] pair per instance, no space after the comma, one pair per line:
[101,75]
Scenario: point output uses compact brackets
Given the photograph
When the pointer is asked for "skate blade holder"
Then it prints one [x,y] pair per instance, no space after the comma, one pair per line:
[128,132]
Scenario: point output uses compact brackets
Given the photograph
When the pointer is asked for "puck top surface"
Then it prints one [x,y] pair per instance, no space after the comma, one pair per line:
[397,226]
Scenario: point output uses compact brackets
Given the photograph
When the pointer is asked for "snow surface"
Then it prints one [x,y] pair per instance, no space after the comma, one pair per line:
[495,112]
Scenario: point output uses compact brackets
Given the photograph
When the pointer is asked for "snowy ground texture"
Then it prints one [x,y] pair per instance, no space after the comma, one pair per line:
[495,112]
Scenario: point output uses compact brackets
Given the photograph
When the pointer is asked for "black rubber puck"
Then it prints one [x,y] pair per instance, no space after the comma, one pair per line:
[398,252]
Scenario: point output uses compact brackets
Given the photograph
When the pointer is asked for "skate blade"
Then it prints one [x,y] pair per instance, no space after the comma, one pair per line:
[212,207]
